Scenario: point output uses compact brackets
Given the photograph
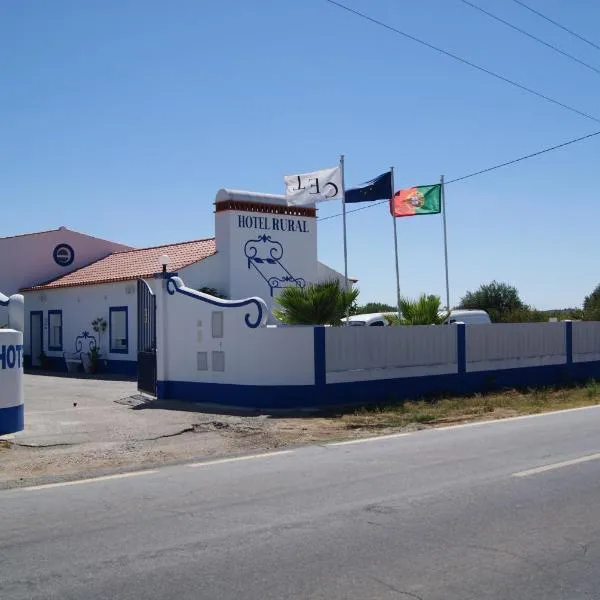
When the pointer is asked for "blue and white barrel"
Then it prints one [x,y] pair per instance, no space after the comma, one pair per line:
[11,381]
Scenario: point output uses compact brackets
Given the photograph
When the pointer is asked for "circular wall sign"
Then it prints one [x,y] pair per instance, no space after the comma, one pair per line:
[63,255]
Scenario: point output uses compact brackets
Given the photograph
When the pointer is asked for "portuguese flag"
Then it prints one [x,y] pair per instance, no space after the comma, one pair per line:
[420,200]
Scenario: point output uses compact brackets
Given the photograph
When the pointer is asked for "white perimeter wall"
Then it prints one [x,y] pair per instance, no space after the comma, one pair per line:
[262,356]
[586,341]
[362,353]
[514,345]
[80,306]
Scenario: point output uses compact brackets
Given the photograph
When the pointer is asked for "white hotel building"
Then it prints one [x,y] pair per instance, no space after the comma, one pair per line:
[69,279]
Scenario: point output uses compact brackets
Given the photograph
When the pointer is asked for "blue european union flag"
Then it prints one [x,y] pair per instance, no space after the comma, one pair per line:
[379,188]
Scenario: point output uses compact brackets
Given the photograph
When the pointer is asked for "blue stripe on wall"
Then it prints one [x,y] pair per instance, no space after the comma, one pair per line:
[569,341]
[114,367]
[319,354]
[12,419]
[374,391]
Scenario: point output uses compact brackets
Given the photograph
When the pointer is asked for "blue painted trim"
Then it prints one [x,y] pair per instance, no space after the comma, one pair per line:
[31,315]
[59,261]
[569,342]
[12,419]
[60,337]
[461,348]
[374,391]
[120,367]
[173,286]
[320,356]
[111,310]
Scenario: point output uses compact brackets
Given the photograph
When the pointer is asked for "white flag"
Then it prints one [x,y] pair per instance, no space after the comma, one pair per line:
[318,186]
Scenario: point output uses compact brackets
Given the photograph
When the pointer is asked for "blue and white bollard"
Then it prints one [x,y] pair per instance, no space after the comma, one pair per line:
[11,382]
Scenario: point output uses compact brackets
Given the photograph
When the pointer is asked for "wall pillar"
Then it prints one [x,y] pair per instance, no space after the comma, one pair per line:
[11,381]
[320,356]
[162,354]
[16,312]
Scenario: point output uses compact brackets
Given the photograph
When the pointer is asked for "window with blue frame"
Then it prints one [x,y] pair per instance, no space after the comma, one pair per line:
[55,331]
[118,329]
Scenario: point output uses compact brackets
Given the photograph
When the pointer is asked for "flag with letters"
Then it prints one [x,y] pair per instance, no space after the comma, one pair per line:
[419,200]
[318,186]
[379,188]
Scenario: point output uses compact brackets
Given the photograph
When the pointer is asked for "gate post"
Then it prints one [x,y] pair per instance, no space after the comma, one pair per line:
[161,332]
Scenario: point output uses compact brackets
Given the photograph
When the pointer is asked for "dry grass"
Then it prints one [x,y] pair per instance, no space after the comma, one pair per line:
[472,408]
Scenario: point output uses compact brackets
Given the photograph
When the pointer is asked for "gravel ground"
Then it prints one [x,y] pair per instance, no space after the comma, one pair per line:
[84,427]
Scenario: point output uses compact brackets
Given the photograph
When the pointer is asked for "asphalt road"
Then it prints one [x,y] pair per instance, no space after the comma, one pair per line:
[506,510]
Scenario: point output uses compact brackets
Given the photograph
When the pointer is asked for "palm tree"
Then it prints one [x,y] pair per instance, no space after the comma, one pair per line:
[424,311]
[324,303]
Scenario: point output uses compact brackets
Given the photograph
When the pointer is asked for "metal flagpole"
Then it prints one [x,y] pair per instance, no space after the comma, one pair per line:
[345,241]
[443,190]
[344,220]
[396,250]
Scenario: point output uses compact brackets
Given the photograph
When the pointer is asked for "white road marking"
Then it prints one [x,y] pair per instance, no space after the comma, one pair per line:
[376,438]
[560,465]
[509,419]
[221,461]
[47,486]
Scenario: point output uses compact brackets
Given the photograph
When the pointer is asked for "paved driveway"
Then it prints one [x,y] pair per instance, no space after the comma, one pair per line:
[80,427]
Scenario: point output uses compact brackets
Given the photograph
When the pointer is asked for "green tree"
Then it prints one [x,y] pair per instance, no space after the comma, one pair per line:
[426,310]
[499,300]
[374,307]
[324,303]
[591,306]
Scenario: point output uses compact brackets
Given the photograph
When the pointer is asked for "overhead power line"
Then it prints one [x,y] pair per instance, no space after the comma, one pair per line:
[482,171]
[570,31]
[463,60]
[529,35]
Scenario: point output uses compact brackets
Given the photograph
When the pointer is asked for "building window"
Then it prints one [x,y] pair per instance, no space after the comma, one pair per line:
[55,331]
[118,325]
[217,324]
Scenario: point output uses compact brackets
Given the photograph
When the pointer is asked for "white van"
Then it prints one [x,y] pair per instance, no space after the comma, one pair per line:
[368,320]
[467,316]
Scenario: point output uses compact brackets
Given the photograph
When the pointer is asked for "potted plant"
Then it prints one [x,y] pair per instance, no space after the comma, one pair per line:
[94,355]
[99,326]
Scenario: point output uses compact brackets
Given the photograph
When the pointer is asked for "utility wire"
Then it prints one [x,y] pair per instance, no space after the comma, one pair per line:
[529,35]
[482,171]
[463,60]
[573,33]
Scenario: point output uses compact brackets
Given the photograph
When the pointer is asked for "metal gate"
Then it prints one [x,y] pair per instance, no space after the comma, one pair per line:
[146,322]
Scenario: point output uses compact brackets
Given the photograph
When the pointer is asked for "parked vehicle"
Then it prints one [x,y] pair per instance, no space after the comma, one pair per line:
[468,317]
[368,320]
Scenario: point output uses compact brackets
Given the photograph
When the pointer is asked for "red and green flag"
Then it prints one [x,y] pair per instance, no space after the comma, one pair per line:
[419,200]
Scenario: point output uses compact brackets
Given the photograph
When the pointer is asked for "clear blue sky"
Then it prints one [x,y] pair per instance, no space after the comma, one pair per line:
[122,118]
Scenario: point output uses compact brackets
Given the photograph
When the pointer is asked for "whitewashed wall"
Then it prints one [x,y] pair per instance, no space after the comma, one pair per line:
[514,345]
[80,306]
[206,273]
[586,341]
[27,260]
[362,353]
[261,356]
[234,229]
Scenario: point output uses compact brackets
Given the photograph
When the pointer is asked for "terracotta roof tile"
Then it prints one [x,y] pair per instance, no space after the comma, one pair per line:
[132,264]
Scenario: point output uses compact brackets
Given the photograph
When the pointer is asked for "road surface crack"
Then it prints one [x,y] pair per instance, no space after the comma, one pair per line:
[169,435]
[392,588]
